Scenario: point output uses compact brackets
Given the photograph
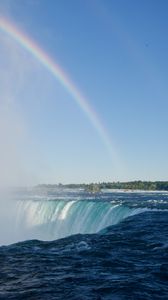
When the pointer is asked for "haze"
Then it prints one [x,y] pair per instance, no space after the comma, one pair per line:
[115,52]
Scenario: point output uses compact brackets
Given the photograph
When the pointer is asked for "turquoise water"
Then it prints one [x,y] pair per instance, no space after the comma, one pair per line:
[76,245]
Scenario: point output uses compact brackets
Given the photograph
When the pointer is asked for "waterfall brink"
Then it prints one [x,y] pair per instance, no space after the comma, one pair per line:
[53,219]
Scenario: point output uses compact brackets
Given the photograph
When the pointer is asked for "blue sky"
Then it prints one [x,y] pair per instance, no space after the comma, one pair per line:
[116,53]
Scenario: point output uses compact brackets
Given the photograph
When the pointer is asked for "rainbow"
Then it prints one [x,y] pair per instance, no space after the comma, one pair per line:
[53,67]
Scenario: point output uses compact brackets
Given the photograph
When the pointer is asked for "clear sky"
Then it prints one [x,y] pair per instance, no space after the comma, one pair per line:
[116,53]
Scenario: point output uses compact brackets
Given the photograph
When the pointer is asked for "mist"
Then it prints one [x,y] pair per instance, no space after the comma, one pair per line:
[16,70]
[15,138]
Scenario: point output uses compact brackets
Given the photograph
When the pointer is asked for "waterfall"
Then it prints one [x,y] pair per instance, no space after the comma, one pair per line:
[53,219]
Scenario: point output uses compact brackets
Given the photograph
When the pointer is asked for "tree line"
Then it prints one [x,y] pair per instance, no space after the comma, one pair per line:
[130,185]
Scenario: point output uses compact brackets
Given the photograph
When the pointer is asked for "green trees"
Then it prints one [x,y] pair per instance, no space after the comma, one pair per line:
[137,185]
[130,185]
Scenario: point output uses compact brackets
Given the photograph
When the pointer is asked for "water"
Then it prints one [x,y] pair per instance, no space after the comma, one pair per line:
[75,245]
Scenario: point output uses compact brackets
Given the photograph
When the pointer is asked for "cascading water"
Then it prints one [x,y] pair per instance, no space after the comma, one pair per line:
[125,261]
[50,214]
[53,219]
